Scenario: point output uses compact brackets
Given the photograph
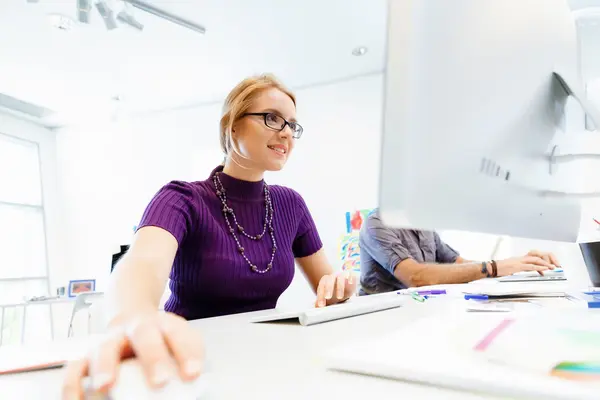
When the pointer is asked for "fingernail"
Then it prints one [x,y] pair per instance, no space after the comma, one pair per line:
[71,396]
[321,303]
[193,367]
[328,295]
[100,380]
[161,375]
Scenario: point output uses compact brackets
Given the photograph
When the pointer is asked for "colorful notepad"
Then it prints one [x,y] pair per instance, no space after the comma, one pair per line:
[568,348]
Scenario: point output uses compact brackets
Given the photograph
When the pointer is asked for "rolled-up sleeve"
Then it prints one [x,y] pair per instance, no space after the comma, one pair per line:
[444,254]
[382,244]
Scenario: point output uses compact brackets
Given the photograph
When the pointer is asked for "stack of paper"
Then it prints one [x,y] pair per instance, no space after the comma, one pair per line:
[517,290]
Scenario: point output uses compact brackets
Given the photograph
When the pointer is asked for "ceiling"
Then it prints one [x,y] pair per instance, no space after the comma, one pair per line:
[304,42]
[79,73]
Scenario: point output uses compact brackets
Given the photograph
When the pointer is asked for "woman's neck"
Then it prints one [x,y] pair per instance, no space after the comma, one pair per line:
[246,174]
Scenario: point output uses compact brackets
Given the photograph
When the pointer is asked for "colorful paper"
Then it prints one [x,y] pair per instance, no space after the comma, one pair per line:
[349,251]
[355,219]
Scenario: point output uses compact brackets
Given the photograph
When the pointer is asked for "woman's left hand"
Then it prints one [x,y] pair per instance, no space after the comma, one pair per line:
[335,288]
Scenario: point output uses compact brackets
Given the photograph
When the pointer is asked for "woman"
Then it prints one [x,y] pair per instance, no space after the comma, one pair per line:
[228,243]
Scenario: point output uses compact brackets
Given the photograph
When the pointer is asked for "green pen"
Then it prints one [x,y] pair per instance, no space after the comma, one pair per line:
[418,297]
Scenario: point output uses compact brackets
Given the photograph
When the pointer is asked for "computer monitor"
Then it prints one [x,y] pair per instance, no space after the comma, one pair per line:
[472,108]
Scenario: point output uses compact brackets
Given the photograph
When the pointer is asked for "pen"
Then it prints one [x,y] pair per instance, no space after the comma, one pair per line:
[418,297]
[476,297]
[431,292]
[422,292]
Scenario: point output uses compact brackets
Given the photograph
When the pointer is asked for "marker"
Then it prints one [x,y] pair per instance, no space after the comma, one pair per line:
[418,297]
[431,292]
[422,292]
[476,297]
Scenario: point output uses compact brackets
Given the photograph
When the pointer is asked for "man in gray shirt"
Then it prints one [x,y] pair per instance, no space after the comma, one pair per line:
[393,259]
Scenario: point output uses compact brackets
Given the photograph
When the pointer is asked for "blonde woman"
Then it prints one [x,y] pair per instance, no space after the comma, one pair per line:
[228,243]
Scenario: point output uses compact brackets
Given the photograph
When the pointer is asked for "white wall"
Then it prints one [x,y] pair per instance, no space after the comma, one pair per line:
[110,172]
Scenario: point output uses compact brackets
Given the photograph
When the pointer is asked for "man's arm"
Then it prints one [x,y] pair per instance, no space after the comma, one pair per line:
[412,273]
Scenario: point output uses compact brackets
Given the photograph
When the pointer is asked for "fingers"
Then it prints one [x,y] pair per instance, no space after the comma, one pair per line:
[340,285]
[104,361]
[151,350]
[548,257]
[185,345]
[533,267]
[553,260]
[324,289]
[538,261]
[74,373]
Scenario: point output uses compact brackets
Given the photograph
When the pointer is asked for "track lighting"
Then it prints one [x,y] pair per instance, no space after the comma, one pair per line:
[107,15]
[128,19]
[84,7]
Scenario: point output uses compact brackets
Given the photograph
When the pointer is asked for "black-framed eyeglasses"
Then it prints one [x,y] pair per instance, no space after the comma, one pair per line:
[278,123]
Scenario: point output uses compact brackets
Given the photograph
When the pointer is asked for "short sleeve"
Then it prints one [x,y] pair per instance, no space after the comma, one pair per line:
[444,254]
[382,243]
[307,241]
[172,209]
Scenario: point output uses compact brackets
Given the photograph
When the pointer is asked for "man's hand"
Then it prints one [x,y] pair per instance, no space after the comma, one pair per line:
[523,264]
[548,257]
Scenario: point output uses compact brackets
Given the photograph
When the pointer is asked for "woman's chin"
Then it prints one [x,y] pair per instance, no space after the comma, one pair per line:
[275,165]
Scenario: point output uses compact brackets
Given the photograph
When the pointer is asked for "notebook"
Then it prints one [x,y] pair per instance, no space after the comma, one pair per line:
[439,351]
[531,289]
[353,307]
[19,358]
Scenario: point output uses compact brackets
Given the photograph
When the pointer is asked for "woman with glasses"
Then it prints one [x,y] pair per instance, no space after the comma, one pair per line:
[229,244]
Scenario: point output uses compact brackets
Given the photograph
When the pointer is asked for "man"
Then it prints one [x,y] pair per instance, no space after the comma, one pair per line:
[393,259]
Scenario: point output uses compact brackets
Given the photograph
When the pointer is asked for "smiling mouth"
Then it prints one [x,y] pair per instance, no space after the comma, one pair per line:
[277,149]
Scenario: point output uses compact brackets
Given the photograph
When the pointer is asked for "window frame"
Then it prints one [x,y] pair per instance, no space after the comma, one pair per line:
[45,140]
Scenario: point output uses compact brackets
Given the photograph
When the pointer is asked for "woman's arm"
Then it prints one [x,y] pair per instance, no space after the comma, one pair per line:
[330,288]
[138,281]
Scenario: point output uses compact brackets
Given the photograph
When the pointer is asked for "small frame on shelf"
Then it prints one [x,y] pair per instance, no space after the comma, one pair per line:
[81,286]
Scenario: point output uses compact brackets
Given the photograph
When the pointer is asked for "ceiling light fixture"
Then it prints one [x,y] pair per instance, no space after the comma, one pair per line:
[107,15]
[84,7]
[360,51]
[166,15]
[61,22]
[128,19]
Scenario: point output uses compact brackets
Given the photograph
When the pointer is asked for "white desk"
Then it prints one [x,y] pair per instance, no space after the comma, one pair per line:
[278,361]
[25,304]
[283,360]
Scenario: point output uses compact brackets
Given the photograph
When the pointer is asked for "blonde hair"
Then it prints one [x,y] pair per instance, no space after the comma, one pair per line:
[239,101]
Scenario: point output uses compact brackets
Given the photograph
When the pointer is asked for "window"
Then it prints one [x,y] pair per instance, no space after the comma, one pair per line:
[23,262]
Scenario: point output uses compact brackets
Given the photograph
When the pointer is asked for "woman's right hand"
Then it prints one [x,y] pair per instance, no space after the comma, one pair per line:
[157,340]
[523,264]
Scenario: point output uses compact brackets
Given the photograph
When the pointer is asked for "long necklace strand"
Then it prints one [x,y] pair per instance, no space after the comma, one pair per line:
[267,225]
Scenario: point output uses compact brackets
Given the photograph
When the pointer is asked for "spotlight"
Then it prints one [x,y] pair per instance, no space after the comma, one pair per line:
[107,15]
[128,19]
[84,7]
[149,8]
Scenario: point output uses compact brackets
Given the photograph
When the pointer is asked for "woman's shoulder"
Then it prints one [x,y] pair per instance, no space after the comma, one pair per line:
[195,191]
[287,194]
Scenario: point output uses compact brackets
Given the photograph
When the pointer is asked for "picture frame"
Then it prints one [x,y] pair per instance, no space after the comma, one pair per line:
[81,286]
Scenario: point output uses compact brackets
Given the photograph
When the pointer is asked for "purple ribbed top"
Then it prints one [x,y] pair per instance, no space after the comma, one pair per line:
[209,276]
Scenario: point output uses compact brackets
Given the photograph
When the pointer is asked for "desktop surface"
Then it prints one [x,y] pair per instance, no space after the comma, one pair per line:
[274,361]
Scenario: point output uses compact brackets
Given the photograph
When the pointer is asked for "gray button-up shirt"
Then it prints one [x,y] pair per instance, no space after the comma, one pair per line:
[383,248]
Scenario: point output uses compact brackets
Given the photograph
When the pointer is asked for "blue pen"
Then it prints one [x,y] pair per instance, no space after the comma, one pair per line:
[476,297]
